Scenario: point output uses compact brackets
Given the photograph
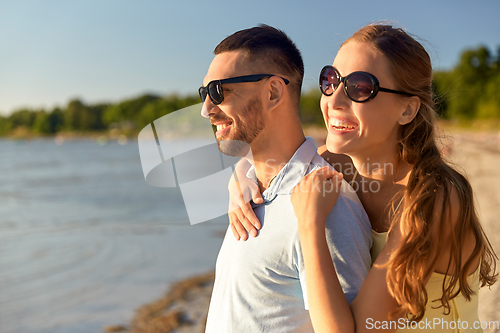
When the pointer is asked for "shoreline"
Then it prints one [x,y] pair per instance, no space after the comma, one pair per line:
[182,309]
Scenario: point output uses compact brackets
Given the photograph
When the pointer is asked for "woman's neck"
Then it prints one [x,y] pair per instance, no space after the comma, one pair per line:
[383,165]
[381,178]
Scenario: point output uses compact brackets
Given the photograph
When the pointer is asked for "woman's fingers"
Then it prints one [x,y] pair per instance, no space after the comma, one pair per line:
[237,228]
[242,217]
[241,191]
[233,229]
[327,173]
[241,227]
[315,195]
[320,180]
[250,216]
[243,222]
[257,197]
[248,220]
[252,193]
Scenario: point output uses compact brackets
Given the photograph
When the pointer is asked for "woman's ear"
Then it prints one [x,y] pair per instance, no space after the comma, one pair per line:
[412,107]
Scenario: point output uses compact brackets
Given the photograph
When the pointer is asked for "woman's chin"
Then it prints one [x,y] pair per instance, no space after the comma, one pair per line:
[334,146]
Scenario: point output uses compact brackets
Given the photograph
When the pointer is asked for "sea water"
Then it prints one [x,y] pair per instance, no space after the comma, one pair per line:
[84,240]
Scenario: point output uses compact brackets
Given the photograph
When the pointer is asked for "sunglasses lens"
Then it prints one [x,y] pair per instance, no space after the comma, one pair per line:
[328,80]
[359,87]
[215,92]
[203,93]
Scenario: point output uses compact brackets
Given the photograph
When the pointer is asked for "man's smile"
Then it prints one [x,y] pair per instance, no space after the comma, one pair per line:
[223,127]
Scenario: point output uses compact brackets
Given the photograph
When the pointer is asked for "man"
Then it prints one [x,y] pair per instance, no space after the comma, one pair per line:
[251,93]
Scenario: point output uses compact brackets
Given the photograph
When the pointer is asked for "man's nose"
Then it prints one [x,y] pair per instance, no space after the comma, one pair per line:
[209,109]
[204,110]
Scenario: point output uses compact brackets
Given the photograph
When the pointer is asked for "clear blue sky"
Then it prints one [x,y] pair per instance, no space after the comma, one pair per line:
[108,50]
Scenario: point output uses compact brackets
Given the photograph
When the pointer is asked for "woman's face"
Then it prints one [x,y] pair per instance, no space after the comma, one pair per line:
[363,129]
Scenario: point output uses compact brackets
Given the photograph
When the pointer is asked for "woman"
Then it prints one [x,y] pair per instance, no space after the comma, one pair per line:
[377,106]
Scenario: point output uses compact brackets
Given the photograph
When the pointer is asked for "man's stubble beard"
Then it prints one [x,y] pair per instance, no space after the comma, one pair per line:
[252,123]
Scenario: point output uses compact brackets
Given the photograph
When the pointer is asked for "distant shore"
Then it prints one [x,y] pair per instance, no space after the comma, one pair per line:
[476,126]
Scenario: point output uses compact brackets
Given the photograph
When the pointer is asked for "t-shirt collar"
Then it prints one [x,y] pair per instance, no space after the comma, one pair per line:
[291,174]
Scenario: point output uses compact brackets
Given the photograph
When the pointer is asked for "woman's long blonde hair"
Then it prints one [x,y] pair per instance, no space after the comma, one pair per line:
[431,181]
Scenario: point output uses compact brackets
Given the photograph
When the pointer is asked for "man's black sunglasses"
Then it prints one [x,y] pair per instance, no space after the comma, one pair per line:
[214,88]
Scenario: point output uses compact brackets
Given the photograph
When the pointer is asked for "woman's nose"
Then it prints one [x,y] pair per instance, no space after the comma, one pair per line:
[338,100]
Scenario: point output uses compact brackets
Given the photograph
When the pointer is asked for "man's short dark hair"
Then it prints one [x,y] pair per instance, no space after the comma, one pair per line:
[277,52]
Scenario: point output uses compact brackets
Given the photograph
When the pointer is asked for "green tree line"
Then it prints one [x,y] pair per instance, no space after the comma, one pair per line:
[130,115]
[470,90]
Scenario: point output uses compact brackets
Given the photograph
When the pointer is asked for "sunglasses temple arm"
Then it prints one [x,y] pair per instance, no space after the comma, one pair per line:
[395,91]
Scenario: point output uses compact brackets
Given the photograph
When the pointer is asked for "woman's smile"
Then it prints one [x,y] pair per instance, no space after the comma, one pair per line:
[337,125]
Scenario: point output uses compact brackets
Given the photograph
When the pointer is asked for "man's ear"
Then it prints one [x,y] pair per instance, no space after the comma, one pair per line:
[275,91]
[412,107]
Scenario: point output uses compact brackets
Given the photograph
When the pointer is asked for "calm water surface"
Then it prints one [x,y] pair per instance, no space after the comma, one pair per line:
[84,240]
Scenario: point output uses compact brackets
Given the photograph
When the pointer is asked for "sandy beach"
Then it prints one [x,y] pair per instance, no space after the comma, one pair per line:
[478,155]
[183,308]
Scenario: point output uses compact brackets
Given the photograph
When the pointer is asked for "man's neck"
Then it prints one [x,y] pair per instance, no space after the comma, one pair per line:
[269,160]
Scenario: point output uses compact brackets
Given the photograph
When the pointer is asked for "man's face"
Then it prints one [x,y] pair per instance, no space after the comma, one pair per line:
[239,118]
